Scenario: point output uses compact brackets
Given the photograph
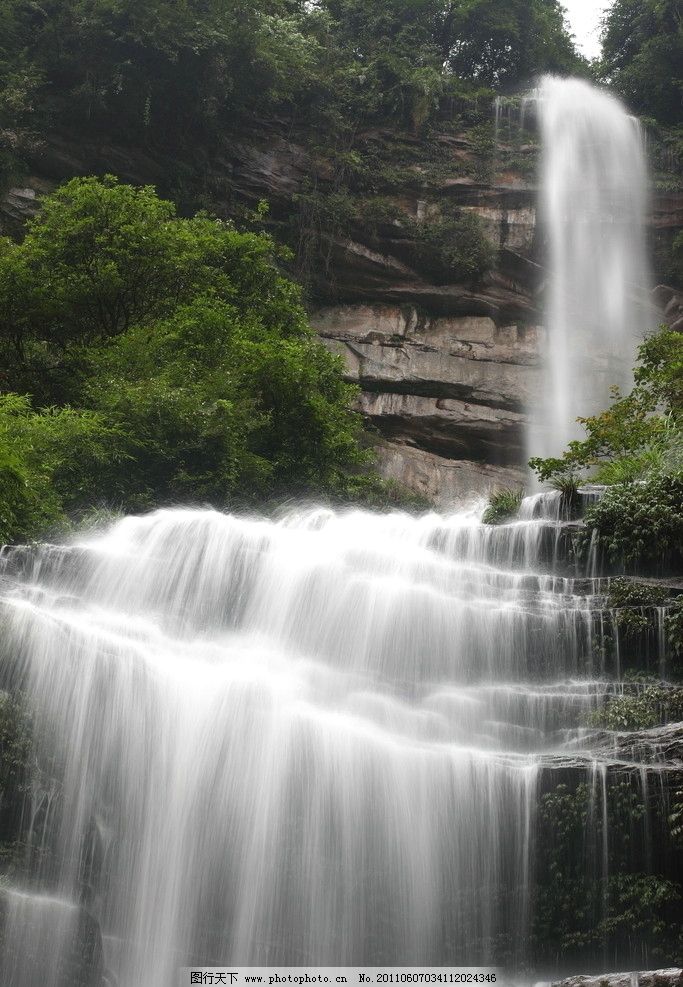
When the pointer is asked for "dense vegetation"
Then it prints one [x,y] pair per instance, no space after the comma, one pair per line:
[173,71]
[164,359]
[633,911]
[177,83]
[642,42]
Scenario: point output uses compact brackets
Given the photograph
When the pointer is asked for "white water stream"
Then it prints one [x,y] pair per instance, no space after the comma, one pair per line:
[316,740]
[592,207]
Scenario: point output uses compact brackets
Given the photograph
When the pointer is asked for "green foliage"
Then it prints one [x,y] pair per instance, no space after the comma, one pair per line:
[652,707]
[102,257]
[454,249]
[641,524]
[51,463]
[576,910]
[628,593]
[674,629]
[187,357]
[676,817]
[503,506]
[166,71]
[568,487]
[17,766]
[222,404]
[641,44]
[506,46]
[630,601]
[629,468]
[171,73]
[15,743]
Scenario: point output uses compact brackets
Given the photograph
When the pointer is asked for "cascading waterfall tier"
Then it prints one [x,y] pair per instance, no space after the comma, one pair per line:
[317,740]
[592,209]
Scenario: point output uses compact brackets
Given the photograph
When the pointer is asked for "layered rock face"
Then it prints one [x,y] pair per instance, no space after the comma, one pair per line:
[447,368]
[446,393]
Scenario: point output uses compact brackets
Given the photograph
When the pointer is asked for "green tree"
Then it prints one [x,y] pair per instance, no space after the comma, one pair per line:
[102,257]
[186,356]
[221,403]
[503,45]
[642,44]
[168,71]
[171,73]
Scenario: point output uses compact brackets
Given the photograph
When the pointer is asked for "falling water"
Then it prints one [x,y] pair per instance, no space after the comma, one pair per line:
[593,201]
[317,740]
[323,739]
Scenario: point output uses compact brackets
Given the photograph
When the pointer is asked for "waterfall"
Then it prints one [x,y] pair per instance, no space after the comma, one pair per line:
[312,740]
[592,209]
[325,738]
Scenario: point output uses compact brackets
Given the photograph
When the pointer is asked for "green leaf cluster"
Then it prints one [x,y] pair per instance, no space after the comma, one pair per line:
[641,524]
[651,707]
[503,506]
[632,603]
[167,359]
[642,42]
[577,908]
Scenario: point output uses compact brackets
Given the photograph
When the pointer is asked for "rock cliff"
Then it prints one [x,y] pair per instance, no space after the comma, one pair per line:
[446,368]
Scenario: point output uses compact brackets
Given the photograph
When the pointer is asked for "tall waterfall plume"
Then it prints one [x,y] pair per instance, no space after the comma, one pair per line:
[592,208]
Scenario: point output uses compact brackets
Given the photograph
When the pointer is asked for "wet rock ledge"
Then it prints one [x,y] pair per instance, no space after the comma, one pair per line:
[671,977]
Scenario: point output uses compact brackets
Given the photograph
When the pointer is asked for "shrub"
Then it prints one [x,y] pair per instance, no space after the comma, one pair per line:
[641,524]
[454,249]
[575,908]
[652,707]
[503,506]
[630,600]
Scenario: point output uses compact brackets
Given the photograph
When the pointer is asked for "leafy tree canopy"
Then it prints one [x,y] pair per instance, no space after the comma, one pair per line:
[170,358]
[642,56]
[175,71]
